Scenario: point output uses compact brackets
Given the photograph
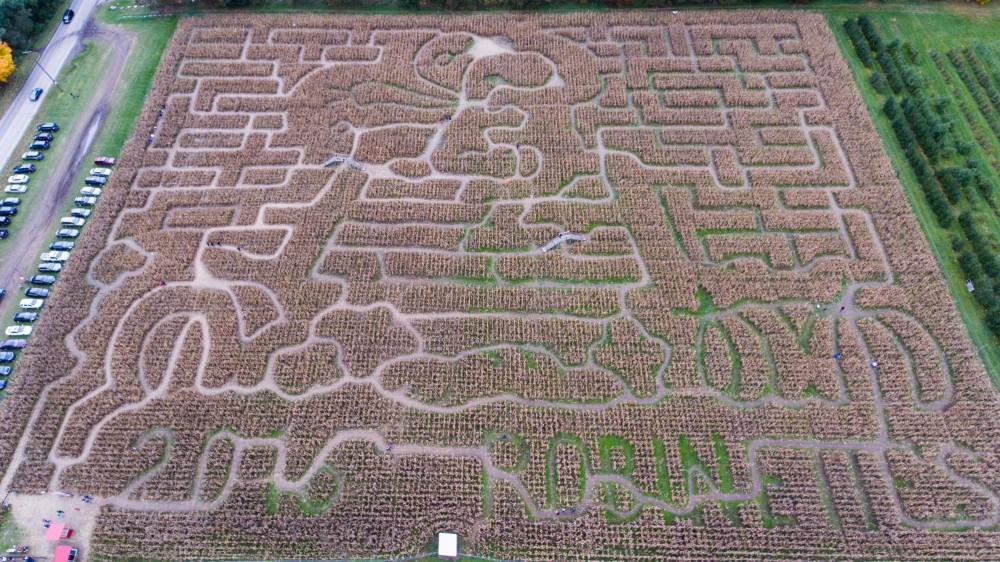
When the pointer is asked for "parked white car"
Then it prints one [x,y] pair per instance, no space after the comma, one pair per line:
[90,191]
[14,188]
[80,212]
[15,331]
[55,256]
[19,178]
[103,172]
[31,304]
[72,221]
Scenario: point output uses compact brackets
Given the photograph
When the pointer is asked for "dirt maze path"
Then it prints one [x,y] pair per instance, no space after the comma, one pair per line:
[745,266]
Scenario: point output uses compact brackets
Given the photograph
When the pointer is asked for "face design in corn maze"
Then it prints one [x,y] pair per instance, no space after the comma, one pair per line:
[327,293]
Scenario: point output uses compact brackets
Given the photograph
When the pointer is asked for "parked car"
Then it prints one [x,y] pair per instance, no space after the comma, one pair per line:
[31,304]
[3,385]
[24,169]
[5,371]
[103,172]
[78,212]
[62,246]
[6,211]
[68,16]
[104,161]
[13,344]
[47,127]
[32,155]
[35,94]
[90,191]
[72,221]
[4,233]
[47,137]
[42,279]
[10,202]
[25,317]
[15,188]
[49,267]
[4,221]
[17,331]
[6,357]
[37,293]
[85,201]
[18,178]
[39,145]
[54,256]
[95,180]
[67,233]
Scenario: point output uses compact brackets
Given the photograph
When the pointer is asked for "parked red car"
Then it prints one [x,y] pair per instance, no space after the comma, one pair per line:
[104,161]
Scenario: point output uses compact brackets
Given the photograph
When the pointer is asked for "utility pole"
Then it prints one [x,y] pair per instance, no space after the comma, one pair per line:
[38,63]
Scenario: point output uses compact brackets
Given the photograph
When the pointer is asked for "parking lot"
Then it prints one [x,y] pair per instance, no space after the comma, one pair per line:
[33,289]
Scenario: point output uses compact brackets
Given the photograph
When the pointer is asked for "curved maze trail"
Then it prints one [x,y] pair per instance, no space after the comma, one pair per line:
[753,341]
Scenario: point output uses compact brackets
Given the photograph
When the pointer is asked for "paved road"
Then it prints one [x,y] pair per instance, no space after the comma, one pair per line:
[60,48]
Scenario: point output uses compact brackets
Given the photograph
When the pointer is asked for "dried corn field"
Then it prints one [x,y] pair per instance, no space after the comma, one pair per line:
[318,323]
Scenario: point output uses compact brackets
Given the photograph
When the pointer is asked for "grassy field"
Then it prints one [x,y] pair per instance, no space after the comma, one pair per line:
[151,37]
[945,27]
[10,534]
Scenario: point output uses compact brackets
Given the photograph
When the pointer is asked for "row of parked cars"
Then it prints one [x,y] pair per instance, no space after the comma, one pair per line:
[50,263]
[17,182]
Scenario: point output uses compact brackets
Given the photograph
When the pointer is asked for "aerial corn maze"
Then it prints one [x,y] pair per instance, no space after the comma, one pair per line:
[628,286]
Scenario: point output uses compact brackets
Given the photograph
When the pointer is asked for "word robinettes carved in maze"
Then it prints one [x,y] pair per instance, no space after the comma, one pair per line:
[318,321]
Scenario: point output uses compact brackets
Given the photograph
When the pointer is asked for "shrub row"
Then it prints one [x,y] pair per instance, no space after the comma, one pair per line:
[979,263]
[870,33]
[931,130]
[983,77]
[980,96]
[859,42]
[930,145]
[918,162]
[992,64]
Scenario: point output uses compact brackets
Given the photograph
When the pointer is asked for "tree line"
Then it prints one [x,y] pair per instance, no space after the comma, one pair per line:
[22,20]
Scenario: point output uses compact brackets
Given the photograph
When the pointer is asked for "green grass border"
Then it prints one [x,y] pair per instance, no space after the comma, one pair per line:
[11,534]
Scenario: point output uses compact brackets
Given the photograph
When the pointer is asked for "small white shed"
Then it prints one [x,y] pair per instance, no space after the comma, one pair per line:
[448,546]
